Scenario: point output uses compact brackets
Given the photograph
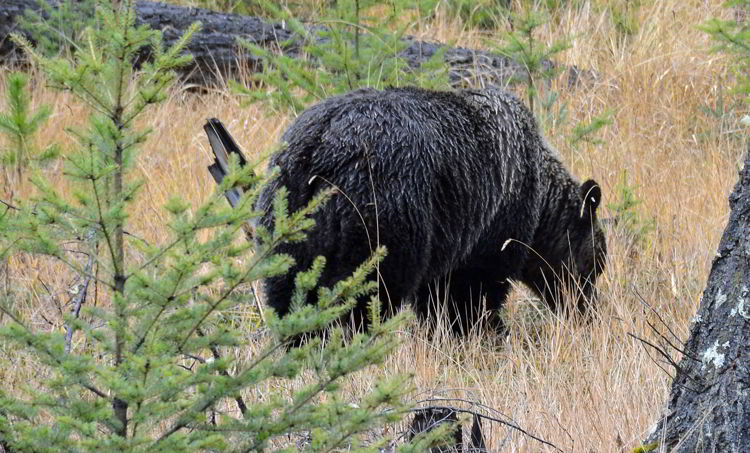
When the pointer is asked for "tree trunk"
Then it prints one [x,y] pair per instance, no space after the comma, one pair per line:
[217,55]
[709,405]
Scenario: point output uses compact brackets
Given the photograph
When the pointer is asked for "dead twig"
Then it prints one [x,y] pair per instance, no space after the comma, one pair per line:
[666,325]
[80,295]
[217,356]
[678,369]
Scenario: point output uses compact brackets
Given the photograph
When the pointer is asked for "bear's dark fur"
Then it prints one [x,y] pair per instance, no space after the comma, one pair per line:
[444,180]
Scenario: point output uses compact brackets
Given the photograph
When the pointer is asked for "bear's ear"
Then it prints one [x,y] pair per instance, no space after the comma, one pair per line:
[591,194]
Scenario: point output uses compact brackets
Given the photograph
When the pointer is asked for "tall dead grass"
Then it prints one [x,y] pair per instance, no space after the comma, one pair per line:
[584,387]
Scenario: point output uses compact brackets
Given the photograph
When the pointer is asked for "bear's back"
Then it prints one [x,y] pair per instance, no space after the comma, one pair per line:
[440,165]
[395,128]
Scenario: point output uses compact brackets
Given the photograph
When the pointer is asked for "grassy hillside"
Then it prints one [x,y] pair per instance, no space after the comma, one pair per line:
[585,388]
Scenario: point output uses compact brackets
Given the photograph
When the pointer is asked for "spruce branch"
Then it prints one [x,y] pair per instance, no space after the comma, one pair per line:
[130,389]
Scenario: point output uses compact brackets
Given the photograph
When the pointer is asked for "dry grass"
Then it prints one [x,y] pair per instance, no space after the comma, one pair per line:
[587,388]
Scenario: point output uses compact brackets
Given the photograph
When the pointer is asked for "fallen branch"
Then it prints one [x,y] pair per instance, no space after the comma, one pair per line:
[217,56]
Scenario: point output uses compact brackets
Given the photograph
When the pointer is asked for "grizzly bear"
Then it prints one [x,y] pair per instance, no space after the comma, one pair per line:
[460,187]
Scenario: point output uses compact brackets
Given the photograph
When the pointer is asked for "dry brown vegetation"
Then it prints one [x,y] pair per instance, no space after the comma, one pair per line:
[585,388]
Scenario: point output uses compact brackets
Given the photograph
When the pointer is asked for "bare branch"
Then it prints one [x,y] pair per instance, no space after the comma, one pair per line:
[494,419]
[80,296]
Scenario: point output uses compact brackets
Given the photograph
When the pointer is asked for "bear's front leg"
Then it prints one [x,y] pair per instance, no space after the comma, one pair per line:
[465,298]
